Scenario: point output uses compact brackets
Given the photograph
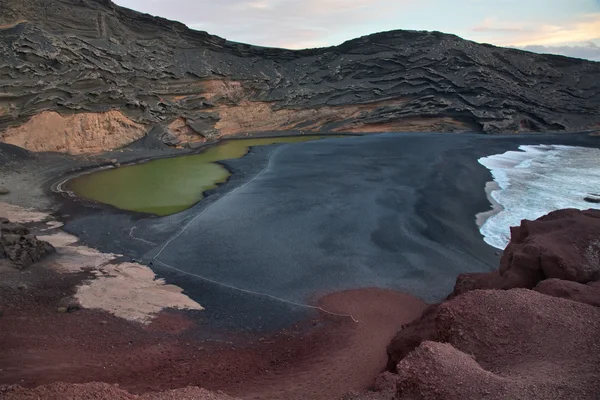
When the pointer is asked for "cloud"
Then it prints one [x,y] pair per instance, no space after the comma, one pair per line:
[590,51]
[277,23]
[490,24]
[578,29]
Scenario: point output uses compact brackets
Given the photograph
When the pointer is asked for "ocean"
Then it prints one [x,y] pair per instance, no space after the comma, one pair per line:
[536,180]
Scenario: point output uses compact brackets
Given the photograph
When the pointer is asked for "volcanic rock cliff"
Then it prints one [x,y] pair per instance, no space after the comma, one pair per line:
[127,74]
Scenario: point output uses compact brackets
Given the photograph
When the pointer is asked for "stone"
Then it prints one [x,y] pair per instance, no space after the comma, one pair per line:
[21,247]
[564,244]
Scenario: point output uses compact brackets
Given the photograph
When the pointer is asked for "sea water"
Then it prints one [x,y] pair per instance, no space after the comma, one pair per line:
[536,180]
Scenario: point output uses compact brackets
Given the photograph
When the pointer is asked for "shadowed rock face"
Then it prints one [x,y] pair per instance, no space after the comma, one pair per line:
[91,56]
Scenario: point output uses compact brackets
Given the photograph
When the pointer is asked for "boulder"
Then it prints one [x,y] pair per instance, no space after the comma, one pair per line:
[588,293]
[20,247]
[564,244]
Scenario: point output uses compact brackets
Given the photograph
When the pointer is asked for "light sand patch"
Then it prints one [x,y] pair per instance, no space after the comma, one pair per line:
[21,215]
[73,258]
[52,225]
[83,133]
[131,291]
[126,290]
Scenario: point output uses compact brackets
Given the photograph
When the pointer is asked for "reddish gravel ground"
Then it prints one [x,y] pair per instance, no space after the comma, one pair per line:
[513,344]
[320,359]
[530,330]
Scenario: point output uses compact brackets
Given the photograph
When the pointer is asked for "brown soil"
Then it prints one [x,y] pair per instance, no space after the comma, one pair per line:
[320,359]
[254,116]
[430,124]
[82,133]
[183,133]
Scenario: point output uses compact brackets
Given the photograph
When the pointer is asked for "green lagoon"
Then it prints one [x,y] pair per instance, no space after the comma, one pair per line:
[169,185]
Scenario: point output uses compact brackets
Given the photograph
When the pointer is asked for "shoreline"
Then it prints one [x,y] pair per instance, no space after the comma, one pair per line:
[293,340]
[118,348]
[60,186]
[481,218]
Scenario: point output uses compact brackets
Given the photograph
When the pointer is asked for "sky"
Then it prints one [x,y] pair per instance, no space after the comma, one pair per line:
[568,27]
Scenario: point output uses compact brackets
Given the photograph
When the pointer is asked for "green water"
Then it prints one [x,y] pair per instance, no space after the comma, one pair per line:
[169,185]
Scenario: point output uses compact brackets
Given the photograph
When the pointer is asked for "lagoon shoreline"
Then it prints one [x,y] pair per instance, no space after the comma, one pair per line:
[447,221]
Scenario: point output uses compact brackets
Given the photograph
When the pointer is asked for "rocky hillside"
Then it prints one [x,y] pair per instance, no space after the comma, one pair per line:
[86,75]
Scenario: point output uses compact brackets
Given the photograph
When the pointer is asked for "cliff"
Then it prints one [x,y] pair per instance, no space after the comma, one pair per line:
[120,69]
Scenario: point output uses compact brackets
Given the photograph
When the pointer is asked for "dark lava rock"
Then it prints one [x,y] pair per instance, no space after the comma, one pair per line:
[71,56]
[20,247]
[592,199]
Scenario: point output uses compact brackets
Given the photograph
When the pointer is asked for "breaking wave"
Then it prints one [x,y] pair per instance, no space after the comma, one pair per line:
[535,181]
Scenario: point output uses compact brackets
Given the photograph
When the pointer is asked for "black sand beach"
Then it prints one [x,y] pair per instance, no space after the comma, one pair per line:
[297,221]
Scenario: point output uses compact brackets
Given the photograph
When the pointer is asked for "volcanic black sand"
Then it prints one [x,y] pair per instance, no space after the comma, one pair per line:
[297,221]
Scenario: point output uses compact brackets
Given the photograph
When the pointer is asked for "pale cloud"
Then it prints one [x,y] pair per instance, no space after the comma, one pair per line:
[530,33]
[590,51]
[279,23]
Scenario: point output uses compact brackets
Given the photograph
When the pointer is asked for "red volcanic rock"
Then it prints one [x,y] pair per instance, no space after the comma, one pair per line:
[564,244]
[433,370]
[472,281]
[411,336]
[102,391]
[514,343]
[589,293]
[506,344]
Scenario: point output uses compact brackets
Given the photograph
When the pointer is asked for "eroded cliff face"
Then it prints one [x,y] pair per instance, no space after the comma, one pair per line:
[91,56]
[74,133]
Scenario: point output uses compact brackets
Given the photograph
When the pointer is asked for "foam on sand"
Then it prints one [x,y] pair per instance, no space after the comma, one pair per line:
[535,181]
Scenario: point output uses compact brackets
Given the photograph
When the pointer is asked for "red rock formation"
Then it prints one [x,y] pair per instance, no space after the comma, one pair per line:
[589,294]
[564,244]
[514,343]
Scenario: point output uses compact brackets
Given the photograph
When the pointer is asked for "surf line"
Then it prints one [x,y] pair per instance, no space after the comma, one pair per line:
[186,226]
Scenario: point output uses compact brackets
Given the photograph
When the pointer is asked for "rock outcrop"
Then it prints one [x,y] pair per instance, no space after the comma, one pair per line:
[496,338]
[564,244]
[91,56]
[20,247]
[75,133]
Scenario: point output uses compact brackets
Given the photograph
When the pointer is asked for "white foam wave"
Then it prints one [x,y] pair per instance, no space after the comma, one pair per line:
[537,180]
